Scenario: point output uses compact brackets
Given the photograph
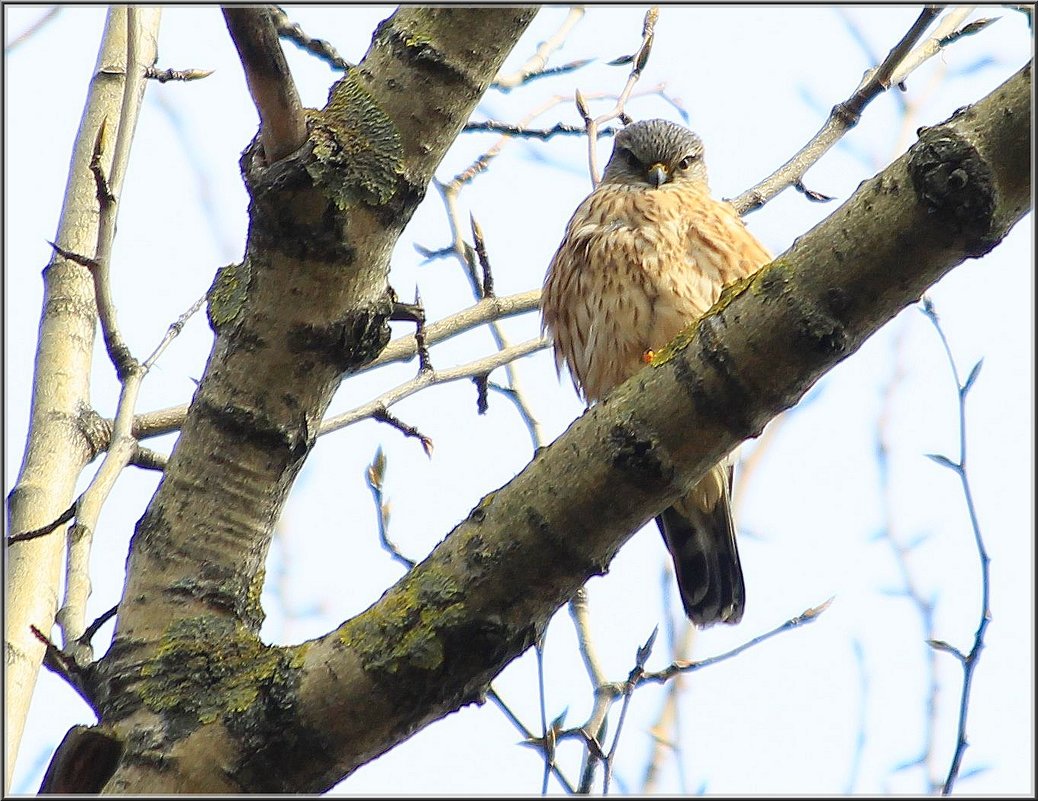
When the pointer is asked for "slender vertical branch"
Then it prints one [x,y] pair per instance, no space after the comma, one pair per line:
[967,660]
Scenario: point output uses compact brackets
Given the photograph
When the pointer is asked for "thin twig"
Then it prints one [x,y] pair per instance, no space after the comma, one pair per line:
[466,255]
[94,627]
[493,308]
[902,551]
[486,289]
[168,420]
[893,71]
[66,667]
[71,617]
[535,65]
[316,47]
[641,657]
[375,476]
[529,738]
[64,517]
[968,661]
[167,75]
[382,415]
[617,112]
[523,132]
[549,733]
[431,378]
[665,730]
[689,666]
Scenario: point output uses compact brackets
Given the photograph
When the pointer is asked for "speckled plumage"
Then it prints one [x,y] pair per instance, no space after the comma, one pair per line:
[644,255]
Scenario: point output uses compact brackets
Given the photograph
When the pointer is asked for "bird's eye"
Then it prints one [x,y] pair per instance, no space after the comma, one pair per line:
[687,162]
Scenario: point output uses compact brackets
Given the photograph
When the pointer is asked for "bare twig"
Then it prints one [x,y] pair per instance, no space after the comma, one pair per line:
[71,617]
[523,132]
[375,476]
[94,627]
[893,71]
[100,268]
[431,378]
[486,289]
[861,740]
[42,531]
[482,382]
[946,32]
[167,75]
[535,65]
[967,660]
[664,730]
[641,657]
[902,551]
[529,738]
[165,421]
[66,667]
[316,47]
[486,310]
[550,733]
[639,59]
[148,459]
[688,666]
[173,332]
[466,255]
[605,692]
[415,313]
[282,122]
[382,415]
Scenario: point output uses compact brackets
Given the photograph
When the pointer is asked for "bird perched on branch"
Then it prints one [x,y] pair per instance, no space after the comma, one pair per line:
[644,255]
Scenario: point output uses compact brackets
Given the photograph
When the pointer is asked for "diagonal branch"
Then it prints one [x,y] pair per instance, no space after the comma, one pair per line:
[466,611]
[282,123]
[894,69]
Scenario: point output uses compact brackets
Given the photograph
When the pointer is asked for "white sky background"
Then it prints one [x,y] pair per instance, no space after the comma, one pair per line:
[785,717]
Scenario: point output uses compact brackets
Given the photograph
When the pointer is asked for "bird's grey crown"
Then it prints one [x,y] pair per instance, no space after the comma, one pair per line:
[652,142]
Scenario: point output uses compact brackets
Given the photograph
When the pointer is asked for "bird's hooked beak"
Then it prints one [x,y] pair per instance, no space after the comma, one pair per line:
[658,175]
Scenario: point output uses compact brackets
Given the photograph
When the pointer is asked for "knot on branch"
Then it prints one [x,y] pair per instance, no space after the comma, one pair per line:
[636,455]
[956,185]
[290,213]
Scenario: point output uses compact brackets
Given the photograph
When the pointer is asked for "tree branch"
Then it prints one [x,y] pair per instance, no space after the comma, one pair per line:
[282,122]
[61,388]
[323,222]
[435,639]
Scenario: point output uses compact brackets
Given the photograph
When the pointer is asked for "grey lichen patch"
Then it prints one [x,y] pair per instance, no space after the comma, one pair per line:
[226,297]
[207,668]
[358,155]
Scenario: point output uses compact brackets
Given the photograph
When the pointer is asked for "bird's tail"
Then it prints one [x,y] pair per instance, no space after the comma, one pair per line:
[700,535]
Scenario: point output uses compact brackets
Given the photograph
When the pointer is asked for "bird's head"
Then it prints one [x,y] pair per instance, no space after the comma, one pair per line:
[652,153]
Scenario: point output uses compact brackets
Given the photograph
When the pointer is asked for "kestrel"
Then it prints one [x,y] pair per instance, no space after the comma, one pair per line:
[644,255]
